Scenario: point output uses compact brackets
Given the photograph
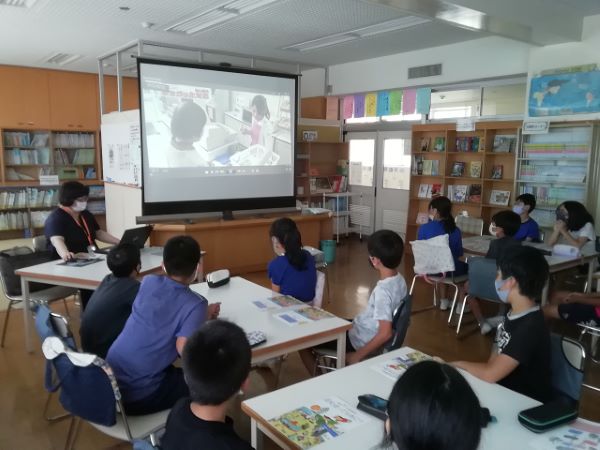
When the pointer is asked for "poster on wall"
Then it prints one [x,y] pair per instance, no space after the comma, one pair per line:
[566,93]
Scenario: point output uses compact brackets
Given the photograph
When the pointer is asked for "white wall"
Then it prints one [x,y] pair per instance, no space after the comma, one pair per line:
[480,58]
[312,83]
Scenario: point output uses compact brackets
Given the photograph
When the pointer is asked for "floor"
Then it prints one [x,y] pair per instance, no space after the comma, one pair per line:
[351,279]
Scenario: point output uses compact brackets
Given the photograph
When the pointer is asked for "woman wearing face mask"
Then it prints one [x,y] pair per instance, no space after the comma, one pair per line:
[293,271]
[574,225]
[71,228]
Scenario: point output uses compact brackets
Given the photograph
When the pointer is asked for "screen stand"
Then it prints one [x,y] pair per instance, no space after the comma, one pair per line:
[227,215]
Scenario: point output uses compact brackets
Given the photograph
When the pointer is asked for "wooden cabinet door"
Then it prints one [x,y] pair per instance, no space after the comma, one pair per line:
[24,100]
[130,94]
[73,100]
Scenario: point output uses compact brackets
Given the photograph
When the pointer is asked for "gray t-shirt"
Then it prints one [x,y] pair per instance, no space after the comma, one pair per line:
[384,300]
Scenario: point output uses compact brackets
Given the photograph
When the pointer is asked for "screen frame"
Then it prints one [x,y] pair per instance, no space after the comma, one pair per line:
[234,204]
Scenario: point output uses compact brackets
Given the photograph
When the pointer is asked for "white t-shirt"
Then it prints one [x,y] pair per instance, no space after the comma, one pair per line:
[587,231]
[384,300]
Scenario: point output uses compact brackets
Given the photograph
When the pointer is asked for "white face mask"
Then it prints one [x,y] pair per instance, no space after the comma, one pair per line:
[79,206]
[492,229]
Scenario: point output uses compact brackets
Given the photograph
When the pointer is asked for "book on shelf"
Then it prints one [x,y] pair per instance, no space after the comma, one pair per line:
[417,167]
[457,193]
[427,167]
[475,169]
[25,139]
[423,189]
[504,143]
[85,140]
[429,190]
[424,144]
[500,198]
[551,196]
[458,169]
[548,171]
[557,150]
[13,175]
[497,172]
[468,144]
[436,190]
[439,145]
[320,185]
[422,218]
[474,193]
[18,156]
[338,182]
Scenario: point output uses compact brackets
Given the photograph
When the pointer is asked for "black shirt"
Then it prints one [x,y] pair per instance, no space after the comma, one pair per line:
[185,431]
[499,246]
[106,313]
[525,338]
[61,223]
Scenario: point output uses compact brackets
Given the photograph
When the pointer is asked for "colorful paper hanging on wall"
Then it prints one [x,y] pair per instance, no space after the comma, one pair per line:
[348,107]
[423,100]
[395,102]
[359,105]
[371,104]
[383,103]
[409,99]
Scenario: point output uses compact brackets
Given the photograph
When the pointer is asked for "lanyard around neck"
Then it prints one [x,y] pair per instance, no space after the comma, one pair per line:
[84,228]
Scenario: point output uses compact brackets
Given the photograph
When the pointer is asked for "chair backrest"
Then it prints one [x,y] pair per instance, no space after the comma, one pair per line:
[470,225]
[432,256]
[482,274]
[319,289]
[49,324]
[40,243]
[400,324]
[17,258]
[568,361]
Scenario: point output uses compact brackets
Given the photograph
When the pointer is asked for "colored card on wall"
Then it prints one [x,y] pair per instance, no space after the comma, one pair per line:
[371,104]
[409,99]
[395,102]
[359,105]
[423,100]
[348,107]
[383,103]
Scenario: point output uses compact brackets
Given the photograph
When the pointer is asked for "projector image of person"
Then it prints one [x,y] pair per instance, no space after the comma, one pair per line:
[255,155]
[187,128]
[216,140]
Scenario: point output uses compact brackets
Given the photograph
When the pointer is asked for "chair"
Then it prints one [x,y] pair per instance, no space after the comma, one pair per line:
[17,258]
[470,225]
[433,256]
[482,273]
[89,391]
[319,288]
[326,358]
[594,333]
[40,243]
[568,362]
[320,264]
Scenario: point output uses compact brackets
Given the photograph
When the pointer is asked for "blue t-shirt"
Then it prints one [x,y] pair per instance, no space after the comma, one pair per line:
[528,229]
[299,284]
[435,228]
[162,311]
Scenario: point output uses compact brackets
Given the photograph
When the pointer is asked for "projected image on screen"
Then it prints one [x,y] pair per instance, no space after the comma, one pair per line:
[203,128]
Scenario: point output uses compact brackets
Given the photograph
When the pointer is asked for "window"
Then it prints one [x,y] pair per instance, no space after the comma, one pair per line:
[362,158]
[396,164]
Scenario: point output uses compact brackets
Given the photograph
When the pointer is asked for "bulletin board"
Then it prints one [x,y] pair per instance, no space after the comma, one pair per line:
[121,148]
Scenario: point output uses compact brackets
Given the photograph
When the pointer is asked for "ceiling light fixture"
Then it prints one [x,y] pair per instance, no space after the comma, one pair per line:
[62,59]
[25,4]
[401,23]
[218,15]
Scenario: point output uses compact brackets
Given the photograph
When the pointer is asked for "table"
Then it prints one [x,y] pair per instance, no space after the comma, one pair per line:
[478,245]
[236,306]
[359,379]
[86,277]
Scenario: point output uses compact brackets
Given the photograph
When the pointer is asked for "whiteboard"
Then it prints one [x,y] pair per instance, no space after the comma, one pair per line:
[121,148]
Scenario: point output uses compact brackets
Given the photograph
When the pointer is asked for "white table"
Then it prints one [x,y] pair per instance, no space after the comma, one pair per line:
[358,379]
[86,277]
[236,306]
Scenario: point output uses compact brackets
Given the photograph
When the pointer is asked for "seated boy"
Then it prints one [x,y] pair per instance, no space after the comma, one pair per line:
[529,229]
[575,307]
[372,328]
[521,361]
[216,363]
[165,313]
[110,305]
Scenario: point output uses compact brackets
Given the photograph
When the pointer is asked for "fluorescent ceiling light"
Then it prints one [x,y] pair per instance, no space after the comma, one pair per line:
[224,12]
[27,4]
[62,59]
[359,33]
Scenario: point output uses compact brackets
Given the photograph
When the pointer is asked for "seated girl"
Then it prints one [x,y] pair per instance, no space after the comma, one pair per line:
[293,271]
[574,225]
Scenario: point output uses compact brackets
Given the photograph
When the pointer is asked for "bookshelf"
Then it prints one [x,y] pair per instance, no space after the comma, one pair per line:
[555,167]
[474,169]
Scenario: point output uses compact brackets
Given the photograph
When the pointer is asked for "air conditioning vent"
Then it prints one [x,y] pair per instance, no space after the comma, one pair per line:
[424,71]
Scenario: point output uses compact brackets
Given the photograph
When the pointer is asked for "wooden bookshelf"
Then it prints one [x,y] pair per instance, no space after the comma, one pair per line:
[462,149]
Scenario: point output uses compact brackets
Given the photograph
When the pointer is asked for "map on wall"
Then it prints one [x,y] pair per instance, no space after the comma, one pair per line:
[564,94]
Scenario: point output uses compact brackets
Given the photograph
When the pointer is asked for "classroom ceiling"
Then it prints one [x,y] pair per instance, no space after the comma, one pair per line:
[308,32]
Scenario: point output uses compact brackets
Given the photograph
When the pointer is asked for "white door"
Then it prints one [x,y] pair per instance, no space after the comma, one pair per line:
[361,180]
[393,181]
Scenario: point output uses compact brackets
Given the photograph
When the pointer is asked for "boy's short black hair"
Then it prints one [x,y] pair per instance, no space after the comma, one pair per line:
[181,256]
[70,191]
[528,267]
[216,362]
[187,123]
[387,245]
[123,259]
[527,199]
[509,221]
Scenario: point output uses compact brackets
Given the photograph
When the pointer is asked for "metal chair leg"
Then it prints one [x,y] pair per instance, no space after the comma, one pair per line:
[5,326]
[462,311]
[72,433]
[53,418]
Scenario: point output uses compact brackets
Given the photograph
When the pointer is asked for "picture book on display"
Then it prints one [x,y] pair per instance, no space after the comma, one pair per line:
[504,143]
[457,193]
[468,144]
[393,368]
[425,144]
[497,172]
[475,169]
[417,167]
[423,190]
[439,144]
[458,169]
[429,190]
[474,194]
[427,166]
[500,198]
[436,190]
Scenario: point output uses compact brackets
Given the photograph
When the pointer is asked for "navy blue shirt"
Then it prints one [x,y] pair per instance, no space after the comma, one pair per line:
[435,228]
[299,284]
[528,229]
[61,223]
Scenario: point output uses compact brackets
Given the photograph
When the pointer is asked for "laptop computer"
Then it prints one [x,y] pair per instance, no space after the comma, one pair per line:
[136,236]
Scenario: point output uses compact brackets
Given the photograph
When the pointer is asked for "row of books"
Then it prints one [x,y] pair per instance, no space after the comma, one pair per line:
[550,196]
[38,218]
[439,144]
[469,144]
[81,156]
[430,190]
[18,156]
[25,139]
[461,193]
[549,172]
[13,199]
[73,140]
[325,185]
[423,166]
[504,143]
[96,207]
[14,221]
[458,169]
[556,150]
[43,198]
[97,191]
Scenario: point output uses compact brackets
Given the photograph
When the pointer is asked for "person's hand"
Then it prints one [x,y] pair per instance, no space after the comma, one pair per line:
[560,226]
[352,358]
[68,256]
[213,310]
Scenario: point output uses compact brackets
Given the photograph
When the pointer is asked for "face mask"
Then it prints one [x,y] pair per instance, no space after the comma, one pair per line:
[492,230]
[518,209]
[560,215]
[431,217]
[79,206]
[502,294]
[371,263]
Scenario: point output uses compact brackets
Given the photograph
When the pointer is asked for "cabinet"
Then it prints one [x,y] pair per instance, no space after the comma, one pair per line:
[73,101]
[555,167]
[474,169]
[24,98]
